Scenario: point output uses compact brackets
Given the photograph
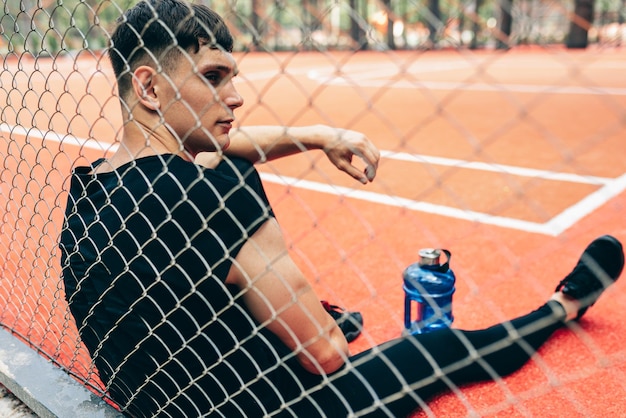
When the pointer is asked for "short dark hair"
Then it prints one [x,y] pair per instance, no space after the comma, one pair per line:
[156,32]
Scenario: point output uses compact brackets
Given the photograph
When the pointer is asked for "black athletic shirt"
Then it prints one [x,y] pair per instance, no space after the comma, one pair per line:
[145,252]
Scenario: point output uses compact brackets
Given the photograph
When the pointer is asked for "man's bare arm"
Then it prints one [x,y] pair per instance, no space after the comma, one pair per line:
[279,297]
[259,144]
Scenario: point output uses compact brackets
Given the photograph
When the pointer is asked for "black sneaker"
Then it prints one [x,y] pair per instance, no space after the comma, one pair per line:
[599,267]
[350,323]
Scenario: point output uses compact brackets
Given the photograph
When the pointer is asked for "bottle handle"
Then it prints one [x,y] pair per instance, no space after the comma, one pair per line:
[445,266]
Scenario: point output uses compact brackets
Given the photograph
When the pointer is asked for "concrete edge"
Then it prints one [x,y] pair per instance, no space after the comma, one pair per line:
[46,389]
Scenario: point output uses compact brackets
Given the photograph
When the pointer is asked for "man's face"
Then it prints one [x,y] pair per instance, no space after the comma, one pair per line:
[199,99]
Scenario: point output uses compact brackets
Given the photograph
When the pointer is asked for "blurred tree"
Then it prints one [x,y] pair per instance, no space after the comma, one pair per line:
[391,43]
[358,22]
[433,21]
[578,36]
[506,23]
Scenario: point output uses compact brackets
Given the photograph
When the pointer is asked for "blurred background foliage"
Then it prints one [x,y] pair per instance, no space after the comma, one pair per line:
[53,27]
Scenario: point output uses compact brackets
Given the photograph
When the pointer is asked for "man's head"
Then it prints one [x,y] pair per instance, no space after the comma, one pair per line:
[175,72]
[158,32]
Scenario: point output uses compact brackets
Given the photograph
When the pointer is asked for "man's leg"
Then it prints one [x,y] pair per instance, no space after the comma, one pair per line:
[397,377]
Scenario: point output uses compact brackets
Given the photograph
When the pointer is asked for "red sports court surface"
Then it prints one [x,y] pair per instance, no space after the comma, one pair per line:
[513,161]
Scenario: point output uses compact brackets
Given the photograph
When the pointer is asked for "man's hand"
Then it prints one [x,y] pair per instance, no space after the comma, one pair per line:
[348,144]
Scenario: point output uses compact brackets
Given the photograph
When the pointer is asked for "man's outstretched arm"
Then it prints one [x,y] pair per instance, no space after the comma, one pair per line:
[259,144]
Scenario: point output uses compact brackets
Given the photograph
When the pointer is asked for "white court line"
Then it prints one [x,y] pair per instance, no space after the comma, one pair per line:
[518,88]
[516,171]
[553,227]
[381,78]
[609,187]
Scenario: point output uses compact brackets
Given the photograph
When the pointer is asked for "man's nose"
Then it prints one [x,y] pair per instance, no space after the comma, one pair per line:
[232,97]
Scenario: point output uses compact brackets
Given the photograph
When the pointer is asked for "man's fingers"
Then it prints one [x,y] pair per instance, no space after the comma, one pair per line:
[371,164]
[370,172]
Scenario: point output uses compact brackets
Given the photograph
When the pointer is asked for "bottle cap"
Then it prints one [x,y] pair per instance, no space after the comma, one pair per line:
[429,256]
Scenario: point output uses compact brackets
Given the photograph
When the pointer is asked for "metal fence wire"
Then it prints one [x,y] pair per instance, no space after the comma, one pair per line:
[59,110]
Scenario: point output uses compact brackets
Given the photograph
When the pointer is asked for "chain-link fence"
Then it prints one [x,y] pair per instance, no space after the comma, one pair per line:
[509,159]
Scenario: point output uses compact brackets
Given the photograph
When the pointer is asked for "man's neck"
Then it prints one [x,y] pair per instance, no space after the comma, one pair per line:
[138,142]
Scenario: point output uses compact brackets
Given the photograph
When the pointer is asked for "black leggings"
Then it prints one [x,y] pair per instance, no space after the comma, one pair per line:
[397,377]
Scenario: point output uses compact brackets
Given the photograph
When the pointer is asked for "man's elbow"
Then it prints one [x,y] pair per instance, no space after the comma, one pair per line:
[326,356]
[322,362]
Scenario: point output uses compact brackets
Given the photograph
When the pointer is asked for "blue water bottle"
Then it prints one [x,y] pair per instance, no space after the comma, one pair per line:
[428,289]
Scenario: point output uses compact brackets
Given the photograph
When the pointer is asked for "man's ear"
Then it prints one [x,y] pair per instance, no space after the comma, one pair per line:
[144,80]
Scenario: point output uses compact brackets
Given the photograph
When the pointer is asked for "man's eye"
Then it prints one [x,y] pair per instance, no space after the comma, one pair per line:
[213,78]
